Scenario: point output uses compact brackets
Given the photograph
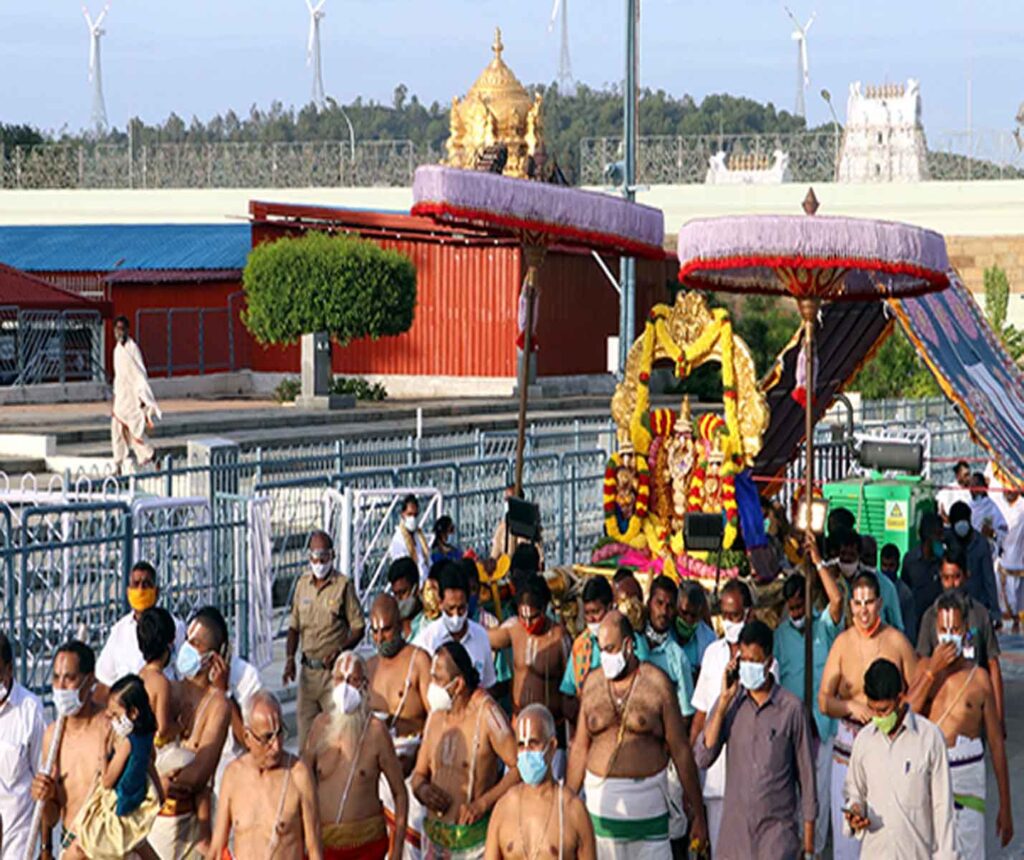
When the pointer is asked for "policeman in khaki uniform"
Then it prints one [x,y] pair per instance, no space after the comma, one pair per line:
[326,617]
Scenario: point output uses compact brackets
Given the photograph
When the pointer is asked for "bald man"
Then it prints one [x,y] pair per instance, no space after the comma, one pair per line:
[629,726]
[399,678]
[349,750]
[458,769]
[267,799]
[539,817]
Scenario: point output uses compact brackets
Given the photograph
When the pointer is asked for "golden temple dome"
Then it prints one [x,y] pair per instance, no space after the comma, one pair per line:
[497,113]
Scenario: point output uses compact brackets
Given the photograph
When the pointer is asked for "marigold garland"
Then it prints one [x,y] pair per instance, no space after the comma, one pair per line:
[643,495]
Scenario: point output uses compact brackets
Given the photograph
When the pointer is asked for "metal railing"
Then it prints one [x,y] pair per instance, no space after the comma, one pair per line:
[189,340]
[212,165]
[38,346]
[685,159]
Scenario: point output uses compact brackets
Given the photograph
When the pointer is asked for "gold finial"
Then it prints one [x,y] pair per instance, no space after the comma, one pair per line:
[685,421]
[497,47]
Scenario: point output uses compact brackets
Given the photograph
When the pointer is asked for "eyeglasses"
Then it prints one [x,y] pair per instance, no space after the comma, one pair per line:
[323,555]
[267,739]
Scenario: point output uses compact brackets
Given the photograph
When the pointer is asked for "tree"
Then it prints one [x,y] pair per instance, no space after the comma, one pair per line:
[348,287]
[997,298]
[896,370]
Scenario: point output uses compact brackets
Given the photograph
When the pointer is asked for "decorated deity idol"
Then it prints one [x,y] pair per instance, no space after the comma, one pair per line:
[682,456]
[626,481]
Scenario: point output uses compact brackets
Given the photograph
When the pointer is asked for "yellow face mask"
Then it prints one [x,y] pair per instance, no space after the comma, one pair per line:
[141,599]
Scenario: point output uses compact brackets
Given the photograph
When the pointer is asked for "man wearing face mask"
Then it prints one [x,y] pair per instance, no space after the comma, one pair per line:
[83,745]
[898,800]
[350,752]
[454,625]
[457,770]
[770,803]
[21,738]
[849,566]
[694,632]
[736,604]
[789,649]
[921,565]
[629,728]
[409,540]
[957,695]
[121,654]
[205,719]
[842,695]
[585,656]
[981,578]
[269,799]
[399,680]
[980,643]
[958,491]
[404,581]
[540,817]
[327,619]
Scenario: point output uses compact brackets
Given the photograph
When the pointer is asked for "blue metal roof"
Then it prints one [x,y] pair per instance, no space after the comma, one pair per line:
[113,247]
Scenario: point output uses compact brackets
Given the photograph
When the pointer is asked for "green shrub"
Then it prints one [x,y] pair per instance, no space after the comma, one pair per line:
[346,286]
[287,390]
[359,388]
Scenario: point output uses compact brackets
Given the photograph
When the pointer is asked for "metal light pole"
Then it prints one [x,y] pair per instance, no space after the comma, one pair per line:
[627,297]
[827,96]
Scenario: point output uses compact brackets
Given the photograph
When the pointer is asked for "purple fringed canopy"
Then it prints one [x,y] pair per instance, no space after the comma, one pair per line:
[566,215]
[846,259]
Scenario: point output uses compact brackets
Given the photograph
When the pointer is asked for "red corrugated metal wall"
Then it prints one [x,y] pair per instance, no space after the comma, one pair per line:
[464,324]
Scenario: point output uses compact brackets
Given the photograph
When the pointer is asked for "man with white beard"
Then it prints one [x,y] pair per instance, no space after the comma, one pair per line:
[348,750]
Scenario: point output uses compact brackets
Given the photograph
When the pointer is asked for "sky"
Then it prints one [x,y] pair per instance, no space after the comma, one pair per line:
[202,57]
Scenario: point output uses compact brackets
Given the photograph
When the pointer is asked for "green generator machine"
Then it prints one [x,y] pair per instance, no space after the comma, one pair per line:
[888,509]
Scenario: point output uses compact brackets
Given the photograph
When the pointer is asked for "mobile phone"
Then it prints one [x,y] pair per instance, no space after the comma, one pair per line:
[732,676]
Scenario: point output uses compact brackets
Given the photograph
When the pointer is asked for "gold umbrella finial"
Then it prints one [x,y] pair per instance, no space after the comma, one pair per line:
[810,204]
[497,47]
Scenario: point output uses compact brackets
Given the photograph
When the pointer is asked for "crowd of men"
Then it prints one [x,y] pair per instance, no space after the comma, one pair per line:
[647,735]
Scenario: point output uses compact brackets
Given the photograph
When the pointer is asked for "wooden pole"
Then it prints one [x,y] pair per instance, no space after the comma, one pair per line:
[809,312]
[534,256]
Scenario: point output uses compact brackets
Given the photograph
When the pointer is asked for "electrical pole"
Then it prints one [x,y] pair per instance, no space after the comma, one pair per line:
[627,298]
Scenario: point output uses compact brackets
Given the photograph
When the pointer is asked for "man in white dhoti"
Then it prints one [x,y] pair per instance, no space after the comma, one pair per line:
[1010,567]
[135,407]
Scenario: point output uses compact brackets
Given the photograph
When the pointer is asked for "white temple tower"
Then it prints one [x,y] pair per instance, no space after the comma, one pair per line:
[884,139]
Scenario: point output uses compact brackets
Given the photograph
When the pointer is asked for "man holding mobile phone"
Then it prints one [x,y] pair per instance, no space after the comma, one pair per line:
[898,794]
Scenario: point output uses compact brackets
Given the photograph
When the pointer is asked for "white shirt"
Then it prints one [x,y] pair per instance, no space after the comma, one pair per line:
[400,549]
[949,496]
[121,655]
[475,641]
[709,688]
[21,741]
[904,784]
[1013,546]
[243,683]
[984,510]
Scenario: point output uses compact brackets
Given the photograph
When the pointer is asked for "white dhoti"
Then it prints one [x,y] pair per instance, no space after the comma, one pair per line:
[175,837]
[630,816]
[843,847]
[967,772]
[676,814]
[134,405]
[414,827]
[1011,591]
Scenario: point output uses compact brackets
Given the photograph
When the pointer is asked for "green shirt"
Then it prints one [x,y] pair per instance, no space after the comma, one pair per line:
[789,651]
[670,657]
[568,685]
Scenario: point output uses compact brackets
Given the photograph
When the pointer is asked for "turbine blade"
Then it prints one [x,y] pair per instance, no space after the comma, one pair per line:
[554,14]
[810,21]
[311,42]
[309,6]
[792,17]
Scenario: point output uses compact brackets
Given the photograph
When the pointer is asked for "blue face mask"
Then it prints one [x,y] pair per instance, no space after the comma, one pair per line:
[937,548]
[752,675]
[188,662]
[532,766]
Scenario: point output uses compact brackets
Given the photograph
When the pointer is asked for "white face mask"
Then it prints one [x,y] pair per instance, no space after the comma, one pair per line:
[593,627]
[320,568]
[799,623]
[613,664]
[410,523]
[453,623]
[438,697]
[732,631]
[848,568]
[67,703]
[346,698]
[122,726]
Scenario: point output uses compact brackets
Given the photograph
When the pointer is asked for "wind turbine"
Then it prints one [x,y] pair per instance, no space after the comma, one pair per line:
[566,85]
[313,56]
[99,107]
[803,77]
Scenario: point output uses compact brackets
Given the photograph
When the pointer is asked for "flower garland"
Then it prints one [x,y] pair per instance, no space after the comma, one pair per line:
[643,494]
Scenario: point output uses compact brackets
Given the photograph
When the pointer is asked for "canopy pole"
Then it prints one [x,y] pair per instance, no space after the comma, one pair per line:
[809,311]
[534,256]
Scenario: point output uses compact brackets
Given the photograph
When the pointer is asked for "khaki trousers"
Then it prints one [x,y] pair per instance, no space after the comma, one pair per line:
[314,698]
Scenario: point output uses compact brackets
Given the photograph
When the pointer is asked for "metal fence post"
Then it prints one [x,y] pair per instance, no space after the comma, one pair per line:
[339,456]
[62,327]
[457,492]
[561,508]
[170,342]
